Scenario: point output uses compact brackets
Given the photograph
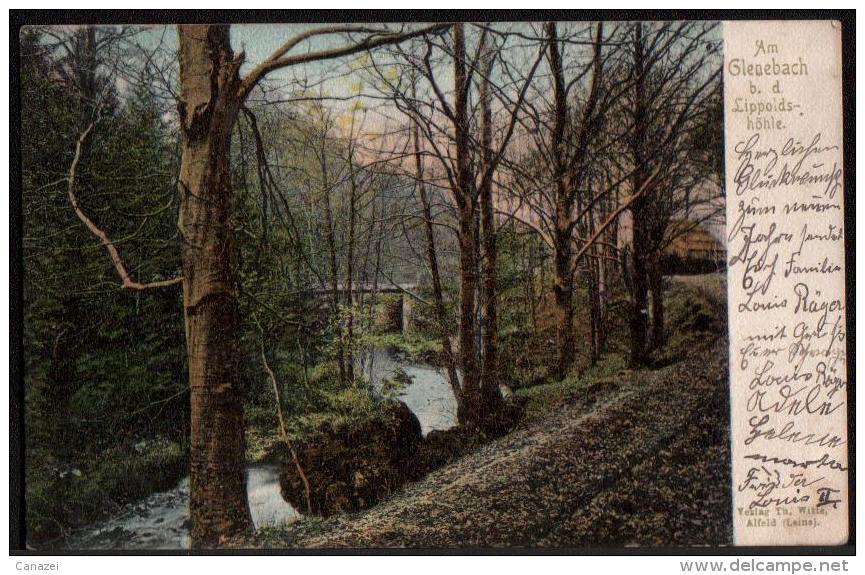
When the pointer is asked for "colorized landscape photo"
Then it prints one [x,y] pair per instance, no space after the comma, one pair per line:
[374,286]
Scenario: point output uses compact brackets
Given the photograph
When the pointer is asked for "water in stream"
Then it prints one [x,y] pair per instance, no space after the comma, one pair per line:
[161,521]
[429,395]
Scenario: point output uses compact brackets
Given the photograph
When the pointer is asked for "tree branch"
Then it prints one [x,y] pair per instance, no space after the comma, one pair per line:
[282,429]
[128,282]
[614,216]
[279,59]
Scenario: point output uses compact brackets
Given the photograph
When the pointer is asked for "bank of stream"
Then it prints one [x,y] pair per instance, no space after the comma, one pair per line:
[161,521]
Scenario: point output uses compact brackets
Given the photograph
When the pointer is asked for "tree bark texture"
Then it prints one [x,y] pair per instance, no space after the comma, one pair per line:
[489,344]
[639,295]
[563,272]
[208,109]
[656,284]
[470,411]
[432,261]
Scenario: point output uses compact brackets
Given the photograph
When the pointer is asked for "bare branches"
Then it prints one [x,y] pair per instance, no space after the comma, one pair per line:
[376,37]
[626,204]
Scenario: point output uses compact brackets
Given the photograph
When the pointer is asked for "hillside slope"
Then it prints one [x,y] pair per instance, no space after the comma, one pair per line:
[638,459]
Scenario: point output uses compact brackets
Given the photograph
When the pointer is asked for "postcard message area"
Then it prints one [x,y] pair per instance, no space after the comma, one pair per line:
[785,216]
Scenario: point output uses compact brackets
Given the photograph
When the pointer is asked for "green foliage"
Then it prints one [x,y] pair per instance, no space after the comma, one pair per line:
[518,262]
[344,406]
[695,314]
[104,368]
[393,387]
[415,346]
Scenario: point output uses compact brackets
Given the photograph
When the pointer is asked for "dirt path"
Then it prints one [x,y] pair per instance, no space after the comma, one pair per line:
[641,460]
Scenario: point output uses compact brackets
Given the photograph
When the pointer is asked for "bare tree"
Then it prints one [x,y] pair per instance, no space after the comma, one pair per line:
[432,259]
[675,70]
[561,183]
[468,145]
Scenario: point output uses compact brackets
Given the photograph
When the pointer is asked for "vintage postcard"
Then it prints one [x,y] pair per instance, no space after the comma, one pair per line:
[337,283]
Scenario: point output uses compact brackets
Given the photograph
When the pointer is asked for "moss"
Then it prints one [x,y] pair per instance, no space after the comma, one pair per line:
[323,400]
[542,400]
[415,348]
[393,387]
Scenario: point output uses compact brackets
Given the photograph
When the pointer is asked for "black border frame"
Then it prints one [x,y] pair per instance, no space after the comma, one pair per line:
[20,18]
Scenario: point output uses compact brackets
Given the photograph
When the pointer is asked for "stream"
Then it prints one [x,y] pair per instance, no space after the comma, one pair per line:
[429,395]
[161,521]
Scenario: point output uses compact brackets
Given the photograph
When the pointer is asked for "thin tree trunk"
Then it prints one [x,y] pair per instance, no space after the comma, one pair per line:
[349,273]
[639,280]
[330,236]
[208,109]
[594,306]
[605,268]
[563,290]
[432,260]
[490,377]
[530,286]
[562,265]
[283,430]
[656,282]
[373,299]
[542,285]
[364,267]
[592,275]
[640,295]
[470,411]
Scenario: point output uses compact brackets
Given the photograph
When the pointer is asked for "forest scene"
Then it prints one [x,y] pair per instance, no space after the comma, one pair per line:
[360,285]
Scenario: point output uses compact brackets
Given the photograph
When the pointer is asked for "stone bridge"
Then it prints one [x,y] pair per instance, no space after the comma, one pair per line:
[392,313]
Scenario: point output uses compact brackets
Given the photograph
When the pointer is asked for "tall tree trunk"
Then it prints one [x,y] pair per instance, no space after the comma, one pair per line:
[639,296]
[373,299]
[563,271]
[605,269]
[490,375]
[593,288]
[330,236]
[563,289]
[471,410]
[432,260]
[84,69]
[208,109]
[639,292]
[592,291]
[349,272]
[364,267]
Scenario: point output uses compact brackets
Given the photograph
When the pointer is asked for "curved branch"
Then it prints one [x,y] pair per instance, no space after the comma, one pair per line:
[279,59]
[128,282]
[283,431]
[614,216]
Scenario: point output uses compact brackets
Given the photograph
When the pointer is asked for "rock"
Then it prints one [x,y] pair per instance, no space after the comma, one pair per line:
[352,466]
[443,446]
